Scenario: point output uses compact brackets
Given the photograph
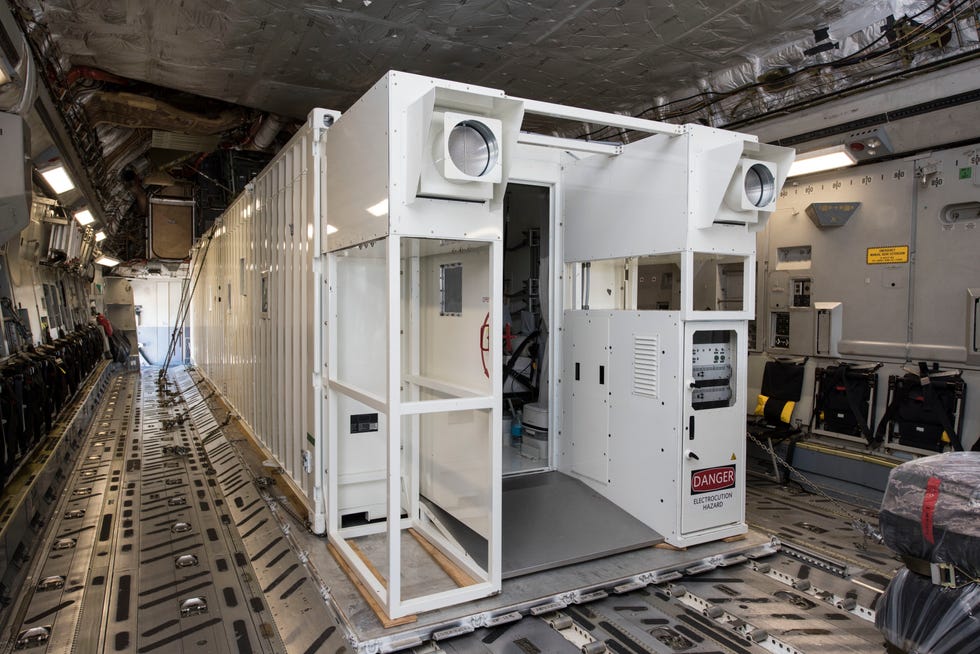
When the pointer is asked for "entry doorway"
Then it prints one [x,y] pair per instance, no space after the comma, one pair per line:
[526,328]
[157,304]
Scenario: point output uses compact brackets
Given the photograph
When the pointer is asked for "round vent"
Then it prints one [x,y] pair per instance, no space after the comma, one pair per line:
[473,148]
[760,186]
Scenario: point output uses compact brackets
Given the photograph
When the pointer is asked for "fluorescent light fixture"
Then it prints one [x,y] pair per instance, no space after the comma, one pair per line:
[331,229]
[107,261]
[99,236]
[58,179]
[818,161]
[84,217]
[379,209]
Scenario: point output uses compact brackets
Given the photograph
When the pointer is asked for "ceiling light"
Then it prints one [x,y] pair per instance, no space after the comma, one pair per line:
[107,261]
[84,217]
[379,209]
[817,161]
[4,75]
[99,236]
[331,229]
[58,179]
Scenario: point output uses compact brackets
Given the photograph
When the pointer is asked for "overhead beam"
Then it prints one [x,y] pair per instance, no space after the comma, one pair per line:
[570,145]
[553,110]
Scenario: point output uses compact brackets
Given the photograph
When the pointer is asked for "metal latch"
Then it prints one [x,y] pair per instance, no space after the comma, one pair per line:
[943,574]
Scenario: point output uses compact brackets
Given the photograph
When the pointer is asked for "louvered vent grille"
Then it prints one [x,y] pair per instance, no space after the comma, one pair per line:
[646,366]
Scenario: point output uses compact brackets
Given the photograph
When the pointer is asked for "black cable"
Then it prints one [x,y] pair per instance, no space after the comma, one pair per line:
[185,304]
[512,361]
[918,32]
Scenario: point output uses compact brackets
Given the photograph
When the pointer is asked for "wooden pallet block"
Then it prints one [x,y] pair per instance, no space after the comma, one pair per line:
[379,611]
[459,576]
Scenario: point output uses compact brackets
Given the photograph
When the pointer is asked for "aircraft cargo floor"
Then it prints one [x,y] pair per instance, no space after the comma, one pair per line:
[171,536]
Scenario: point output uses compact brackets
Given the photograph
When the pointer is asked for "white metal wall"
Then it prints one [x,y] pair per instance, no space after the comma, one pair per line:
[260,354]
[159,306]
[892,313]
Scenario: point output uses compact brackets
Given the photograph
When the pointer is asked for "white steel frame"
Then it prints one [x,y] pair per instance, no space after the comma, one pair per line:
[389,594]
[394,408]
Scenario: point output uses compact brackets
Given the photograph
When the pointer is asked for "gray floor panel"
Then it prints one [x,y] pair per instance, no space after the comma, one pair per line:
[551,520]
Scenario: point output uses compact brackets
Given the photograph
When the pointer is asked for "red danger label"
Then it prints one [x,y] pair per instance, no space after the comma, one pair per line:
[712,479]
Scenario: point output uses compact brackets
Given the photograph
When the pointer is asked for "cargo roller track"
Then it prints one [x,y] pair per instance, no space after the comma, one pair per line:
[144,552]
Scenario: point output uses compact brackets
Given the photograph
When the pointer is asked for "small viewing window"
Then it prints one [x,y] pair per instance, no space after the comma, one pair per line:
[451,289]
[960,213]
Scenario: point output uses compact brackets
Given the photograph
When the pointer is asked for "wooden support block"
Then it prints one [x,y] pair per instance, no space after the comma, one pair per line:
[668,546]
[733,539]
[370,566]
[386,622]
[459,576]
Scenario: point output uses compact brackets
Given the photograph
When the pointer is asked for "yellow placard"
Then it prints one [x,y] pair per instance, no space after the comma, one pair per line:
[889,254]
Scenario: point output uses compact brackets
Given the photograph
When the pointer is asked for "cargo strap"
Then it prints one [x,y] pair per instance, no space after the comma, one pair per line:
[945,575]
[839,378]
[930,398]
[929,393]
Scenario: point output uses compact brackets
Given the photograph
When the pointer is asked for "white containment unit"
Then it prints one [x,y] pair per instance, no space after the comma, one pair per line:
[256,304]
[349,306]
[660,254]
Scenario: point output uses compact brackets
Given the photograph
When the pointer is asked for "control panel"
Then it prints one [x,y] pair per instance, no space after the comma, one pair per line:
[801,292]
[780,329]
[712,358]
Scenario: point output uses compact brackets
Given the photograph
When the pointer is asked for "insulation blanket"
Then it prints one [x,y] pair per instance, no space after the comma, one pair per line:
[599,53]
[916,616]
[931,510]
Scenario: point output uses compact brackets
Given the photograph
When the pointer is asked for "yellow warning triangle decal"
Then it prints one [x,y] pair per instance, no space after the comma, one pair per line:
[733,456]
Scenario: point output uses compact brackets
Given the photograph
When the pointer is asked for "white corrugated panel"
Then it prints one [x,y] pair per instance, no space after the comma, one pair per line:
[258,348]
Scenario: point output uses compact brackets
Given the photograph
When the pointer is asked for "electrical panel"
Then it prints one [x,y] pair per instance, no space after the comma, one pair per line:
[642,440]
[801,292]
[780,329]
[711,363]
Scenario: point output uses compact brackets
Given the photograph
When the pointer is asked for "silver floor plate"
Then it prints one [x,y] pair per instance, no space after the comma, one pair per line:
[551,520]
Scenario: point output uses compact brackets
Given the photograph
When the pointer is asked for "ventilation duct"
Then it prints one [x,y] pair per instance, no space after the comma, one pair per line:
[15,176]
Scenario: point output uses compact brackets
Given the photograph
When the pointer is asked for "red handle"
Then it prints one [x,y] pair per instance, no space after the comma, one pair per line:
[485,344]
